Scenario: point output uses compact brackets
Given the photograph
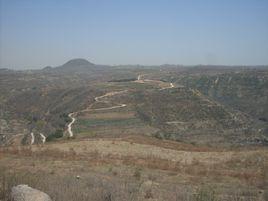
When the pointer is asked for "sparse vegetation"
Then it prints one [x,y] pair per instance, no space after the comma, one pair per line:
[58,134]
[205,194]
[123,153]
[53,174]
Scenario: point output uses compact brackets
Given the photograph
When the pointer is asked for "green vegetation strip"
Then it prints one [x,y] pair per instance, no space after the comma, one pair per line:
[107,122]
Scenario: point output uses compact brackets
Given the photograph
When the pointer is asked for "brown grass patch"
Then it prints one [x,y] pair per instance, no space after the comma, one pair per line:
[108,115]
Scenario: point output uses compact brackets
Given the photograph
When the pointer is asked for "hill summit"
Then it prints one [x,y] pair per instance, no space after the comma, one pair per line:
[78,62]
[76,65]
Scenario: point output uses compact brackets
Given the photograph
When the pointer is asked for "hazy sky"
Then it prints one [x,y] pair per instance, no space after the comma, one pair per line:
[37,33]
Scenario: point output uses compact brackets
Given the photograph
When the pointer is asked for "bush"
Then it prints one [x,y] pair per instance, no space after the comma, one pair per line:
[58,134]
[65,117]
[137,173]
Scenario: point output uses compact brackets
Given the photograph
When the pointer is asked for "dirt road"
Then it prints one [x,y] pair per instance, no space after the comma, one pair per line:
[99,99]
[32,138]
[141,80]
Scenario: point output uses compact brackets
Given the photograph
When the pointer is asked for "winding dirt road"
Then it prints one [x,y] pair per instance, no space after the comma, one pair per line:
[140,80]
[71,115]
[98,99]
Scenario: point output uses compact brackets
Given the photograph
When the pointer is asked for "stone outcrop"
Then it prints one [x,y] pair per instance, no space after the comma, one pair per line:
[26,193]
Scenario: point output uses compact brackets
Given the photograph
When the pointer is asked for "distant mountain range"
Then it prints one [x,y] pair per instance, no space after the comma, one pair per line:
[83,65]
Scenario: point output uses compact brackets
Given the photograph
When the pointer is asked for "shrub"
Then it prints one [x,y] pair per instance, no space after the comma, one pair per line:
[137,173]
[58,134]
[148,194]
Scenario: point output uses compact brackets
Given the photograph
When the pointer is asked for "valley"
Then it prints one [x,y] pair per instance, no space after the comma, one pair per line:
[83,131]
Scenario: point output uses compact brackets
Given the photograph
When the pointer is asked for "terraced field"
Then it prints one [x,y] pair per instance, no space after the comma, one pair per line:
[103,121]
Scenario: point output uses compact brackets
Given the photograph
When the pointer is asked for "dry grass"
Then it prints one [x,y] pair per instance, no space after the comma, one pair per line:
[247,172]
[98,188]
[239,168]
[107,115]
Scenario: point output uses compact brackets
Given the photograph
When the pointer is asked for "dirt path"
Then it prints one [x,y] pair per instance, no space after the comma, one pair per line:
[32,138]
[98,99]
[171,85]
[43,138]
[71,115]
[110,108]
[141,80]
